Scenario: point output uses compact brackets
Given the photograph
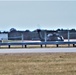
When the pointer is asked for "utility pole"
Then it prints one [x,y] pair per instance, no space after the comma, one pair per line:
[45,38]
[22,39]
[68,37]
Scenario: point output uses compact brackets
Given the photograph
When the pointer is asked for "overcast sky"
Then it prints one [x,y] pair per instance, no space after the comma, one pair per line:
[42,14]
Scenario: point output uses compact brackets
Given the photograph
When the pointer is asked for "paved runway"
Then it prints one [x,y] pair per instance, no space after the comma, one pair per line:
[37,50]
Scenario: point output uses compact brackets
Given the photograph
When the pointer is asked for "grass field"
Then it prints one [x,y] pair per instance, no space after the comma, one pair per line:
[38,64]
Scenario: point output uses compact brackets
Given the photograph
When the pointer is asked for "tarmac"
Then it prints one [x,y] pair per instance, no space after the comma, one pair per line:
[37,50]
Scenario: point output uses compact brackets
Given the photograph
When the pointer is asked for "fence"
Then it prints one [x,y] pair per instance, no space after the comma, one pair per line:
[24,44]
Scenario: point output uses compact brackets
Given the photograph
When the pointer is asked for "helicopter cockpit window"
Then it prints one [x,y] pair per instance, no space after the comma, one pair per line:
[58,38]
[49,35]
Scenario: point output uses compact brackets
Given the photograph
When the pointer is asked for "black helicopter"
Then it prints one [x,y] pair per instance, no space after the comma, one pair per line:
[50,37]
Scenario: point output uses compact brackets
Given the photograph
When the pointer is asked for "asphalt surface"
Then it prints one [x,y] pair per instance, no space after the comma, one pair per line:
[37,50]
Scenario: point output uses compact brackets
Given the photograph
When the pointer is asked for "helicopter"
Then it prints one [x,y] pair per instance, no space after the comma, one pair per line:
[54,36]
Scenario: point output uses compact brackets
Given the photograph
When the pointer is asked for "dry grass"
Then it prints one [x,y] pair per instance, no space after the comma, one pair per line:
[38,64]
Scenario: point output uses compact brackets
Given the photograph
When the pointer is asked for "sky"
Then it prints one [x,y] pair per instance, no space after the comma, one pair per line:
[35,14]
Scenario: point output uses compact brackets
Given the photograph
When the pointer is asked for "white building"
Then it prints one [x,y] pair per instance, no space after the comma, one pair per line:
[3,36]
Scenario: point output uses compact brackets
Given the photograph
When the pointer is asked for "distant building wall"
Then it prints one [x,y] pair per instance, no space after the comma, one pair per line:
[17,35]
